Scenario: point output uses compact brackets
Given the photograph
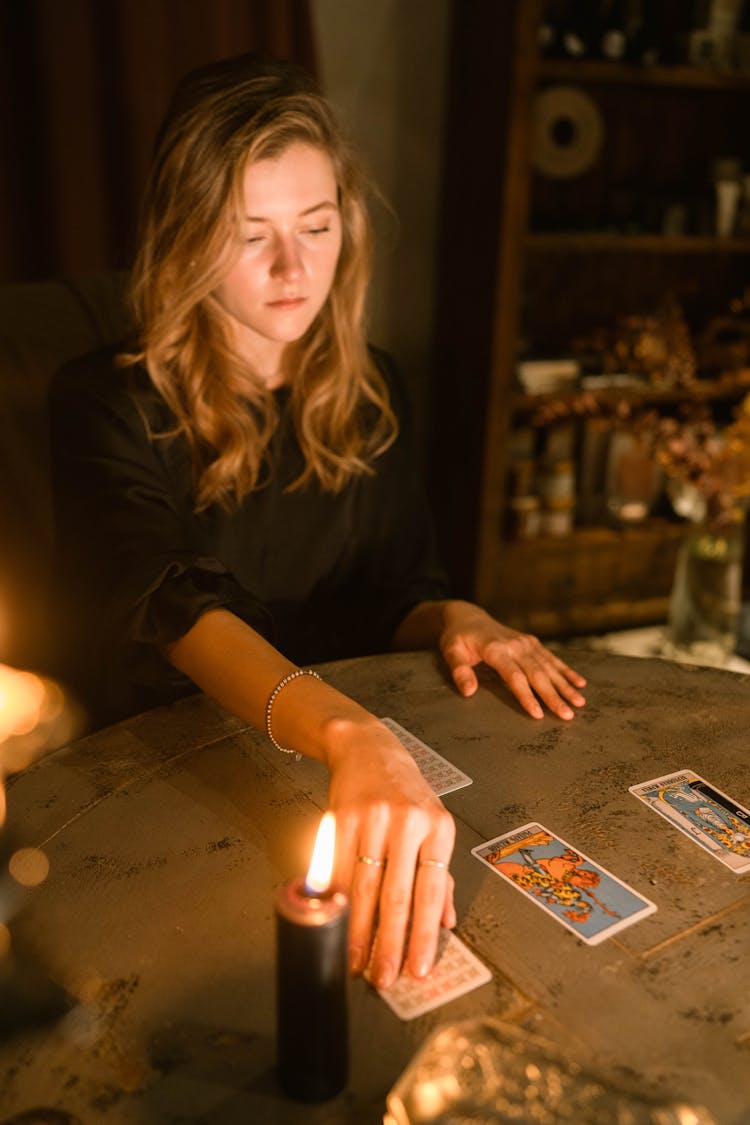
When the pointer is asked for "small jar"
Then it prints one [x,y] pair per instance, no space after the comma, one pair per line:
[522,472]
[558,481]
[557,517]
[524,513]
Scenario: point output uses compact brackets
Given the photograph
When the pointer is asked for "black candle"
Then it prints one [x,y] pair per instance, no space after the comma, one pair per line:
[311,980]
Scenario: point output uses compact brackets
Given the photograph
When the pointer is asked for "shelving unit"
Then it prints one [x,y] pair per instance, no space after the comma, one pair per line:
[626,74]
[528,263]
[564,243]
[710,391]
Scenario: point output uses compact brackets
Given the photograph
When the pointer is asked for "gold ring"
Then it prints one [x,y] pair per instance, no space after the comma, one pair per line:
[370,860]
[433,863]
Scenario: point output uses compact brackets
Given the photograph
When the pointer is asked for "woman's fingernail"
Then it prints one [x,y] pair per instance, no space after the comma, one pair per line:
[423,968]
[385,975]
[537,712]
[356,960]
[566,713]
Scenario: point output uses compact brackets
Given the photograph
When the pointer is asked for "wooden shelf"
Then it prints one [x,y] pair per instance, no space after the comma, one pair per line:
[712,390]
[586,617]
[565,242]
[585,538]
[595,578]
[593,72]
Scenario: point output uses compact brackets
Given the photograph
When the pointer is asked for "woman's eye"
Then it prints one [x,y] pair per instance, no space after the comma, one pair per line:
[255,239]
[316,230]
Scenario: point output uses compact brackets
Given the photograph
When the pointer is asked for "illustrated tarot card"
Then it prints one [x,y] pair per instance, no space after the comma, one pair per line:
[440,774]
[705,814]
[582,895]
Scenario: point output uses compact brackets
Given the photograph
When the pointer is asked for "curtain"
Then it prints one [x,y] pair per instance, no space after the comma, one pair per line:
[83,85]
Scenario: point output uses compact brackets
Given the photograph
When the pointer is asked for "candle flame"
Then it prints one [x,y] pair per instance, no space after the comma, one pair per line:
[21,701]
[321,865]
[35,716]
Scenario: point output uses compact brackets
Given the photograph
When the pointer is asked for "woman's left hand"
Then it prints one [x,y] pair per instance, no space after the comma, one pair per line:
[470,636]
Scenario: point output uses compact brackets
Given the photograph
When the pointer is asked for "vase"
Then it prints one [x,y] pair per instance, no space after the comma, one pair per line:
[706,597]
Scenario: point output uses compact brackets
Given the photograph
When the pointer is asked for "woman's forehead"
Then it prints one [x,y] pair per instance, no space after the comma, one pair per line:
[298,178]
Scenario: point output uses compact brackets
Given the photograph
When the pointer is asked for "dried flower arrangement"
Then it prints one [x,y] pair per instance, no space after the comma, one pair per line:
[657,347]
[707,466]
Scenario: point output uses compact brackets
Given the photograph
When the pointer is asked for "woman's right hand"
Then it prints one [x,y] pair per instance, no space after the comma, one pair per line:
[394,841]
[384,809]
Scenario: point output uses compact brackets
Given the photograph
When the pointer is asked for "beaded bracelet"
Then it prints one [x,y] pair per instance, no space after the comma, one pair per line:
[272,699]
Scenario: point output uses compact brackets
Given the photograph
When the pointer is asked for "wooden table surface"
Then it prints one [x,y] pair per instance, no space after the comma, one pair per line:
[168,834]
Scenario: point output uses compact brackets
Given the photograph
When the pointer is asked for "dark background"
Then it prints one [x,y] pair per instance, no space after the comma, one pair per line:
[83,85]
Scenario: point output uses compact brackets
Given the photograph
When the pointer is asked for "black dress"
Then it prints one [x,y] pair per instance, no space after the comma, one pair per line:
[321,575]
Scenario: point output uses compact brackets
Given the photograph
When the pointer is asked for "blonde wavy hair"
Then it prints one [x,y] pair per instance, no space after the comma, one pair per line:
[221,119]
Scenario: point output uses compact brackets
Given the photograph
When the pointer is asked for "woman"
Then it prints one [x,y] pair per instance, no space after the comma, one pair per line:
[236,496]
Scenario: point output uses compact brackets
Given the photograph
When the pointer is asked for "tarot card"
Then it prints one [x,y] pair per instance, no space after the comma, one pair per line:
[456,971]
[440,774]
[582,895]
[706,815]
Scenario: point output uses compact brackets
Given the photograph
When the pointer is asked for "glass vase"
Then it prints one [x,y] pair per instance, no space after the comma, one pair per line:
[706,594]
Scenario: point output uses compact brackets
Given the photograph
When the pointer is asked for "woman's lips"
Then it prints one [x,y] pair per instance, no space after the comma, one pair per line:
[287,303]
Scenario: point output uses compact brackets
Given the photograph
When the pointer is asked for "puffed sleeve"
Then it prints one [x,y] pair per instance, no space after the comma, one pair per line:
[134,567]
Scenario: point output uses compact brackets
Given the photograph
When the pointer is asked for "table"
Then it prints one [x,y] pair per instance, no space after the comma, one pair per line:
[167,835]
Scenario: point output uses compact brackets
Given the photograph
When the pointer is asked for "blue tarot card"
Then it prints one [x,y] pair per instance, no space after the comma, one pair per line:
[705,814]
[580,894]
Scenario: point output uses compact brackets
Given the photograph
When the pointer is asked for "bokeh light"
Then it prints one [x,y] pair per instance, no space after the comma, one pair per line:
[36,716]
[22,697]
[29,866]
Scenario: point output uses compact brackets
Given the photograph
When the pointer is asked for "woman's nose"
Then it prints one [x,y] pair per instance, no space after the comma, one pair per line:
[287,262]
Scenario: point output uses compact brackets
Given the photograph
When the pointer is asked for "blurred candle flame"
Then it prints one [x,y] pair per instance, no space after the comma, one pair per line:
[320,871]
[21,700]
[35,716]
